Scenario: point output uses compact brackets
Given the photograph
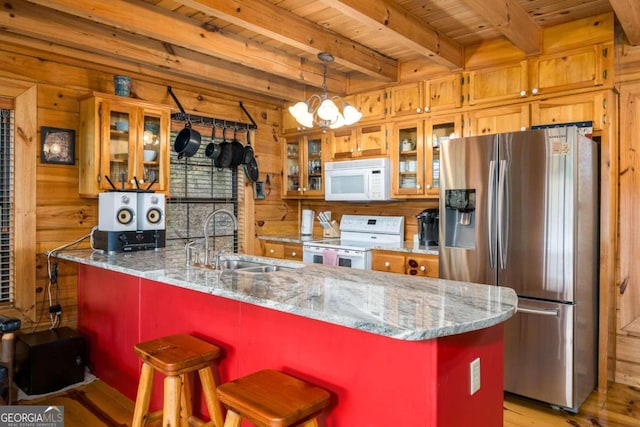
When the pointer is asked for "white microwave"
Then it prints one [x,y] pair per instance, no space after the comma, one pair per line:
[357,180]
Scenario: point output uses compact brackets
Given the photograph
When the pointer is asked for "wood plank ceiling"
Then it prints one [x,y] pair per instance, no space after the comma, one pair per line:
[270,47]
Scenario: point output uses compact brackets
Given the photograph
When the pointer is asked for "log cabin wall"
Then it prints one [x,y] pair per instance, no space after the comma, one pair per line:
[62,216]
[626,293]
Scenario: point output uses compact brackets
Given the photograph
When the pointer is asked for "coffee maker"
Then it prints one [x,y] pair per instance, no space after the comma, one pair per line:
[428,227]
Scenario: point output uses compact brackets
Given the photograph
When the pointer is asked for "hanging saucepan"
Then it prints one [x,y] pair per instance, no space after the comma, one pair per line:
[188,140]
[213,148]
[248,154]
[226,151]
[251,170]
[238,150]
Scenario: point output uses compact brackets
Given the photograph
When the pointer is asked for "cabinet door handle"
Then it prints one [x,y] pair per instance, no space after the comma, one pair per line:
[293,253]
[387,264]
[423,268]
[272,251]
[534,91]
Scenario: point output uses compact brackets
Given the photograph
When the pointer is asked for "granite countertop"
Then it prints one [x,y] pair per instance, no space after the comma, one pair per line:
[406,247]
[402,307]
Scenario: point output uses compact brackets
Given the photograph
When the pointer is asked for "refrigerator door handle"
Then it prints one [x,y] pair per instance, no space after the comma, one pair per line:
[491,214]
[554,313]
[503,208]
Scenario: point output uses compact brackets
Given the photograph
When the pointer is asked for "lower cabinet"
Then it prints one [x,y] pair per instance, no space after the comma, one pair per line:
[412,264]
[292,251]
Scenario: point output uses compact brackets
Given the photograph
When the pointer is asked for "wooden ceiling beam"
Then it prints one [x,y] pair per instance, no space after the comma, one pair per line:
[508,17]
[267,19]
[384,16]
[628,13]
[98,41]
[162,25]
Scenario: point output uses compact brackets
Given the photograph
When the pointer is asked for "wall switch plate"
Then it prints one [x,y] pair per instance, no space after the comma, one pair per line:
[474,376]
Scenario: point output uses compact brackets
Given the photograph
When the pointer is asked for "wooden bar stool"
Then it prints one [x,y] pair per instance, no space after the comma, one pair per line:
[176,357]
[271,398]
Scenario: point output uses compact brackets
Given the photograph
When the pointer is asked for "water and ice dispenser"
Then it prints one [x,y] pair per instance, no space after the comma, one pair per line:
[460,218]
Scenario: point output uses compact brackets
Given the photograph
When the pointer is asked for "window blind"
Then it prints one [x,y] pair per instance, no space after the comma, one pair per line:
[6,206]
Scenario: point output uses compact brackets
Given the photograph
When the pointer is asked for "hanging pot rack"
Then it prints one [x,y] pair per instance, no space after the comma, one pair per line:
[211,122]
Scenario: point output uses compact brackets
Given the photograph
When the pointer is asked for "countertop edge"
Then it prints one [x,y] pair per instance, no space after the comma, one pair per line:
[379,328]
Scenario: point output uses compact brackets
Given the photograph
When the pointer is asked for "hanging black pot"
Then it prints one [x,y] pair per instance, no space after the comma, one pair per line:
[187,141]
[251,170]
[226,151]
[237,149]
[213,148]
[247,155]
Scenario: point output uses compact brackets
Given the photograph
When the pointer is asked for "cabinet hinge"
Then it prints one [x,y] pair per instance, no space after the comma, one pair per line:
[462,80]
[605,52]
[605,74]
[387,94]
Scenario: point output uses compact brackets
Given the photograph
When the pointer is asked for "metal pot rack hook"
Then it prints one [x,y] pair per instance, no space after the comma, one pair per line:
[253,122]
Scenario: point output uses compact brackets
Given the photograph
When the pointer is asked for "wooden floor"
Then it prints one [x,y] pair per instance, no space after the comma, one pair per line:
[99,405]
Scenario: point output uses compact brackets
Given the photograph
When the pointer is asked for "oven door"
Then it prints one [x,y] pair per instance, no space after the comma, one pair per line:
[336,256]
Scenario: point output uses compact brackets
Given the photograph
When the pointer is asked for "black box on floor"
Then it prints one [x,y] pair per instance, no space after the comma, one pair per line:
[49,360]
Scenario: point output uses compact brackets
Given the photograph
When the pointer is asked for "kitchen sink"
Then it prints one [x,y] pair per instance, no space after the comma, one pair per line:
[236,264]
[262,269]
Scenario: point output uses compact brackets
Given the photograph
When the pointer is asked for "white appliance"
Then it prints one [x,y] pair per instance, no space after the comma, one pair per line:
[117,211]
[306,224]
[358,235]
[357,180]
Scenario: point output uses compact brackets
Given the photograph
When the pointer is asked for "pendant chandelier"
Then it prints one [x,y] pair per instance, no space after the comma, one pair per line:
[322,110]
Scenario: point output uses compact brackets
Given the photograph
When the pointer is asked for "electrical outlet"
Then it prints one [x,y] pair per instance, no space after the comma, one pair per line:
[474,376]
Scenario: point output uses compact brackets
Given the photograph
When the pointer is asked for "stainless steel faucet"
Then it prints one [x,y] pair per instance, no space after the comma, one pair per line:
[206,226]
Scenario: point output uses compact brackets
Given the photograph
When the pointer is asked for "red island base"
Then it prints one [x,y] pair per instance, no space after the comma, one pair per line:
[375,381]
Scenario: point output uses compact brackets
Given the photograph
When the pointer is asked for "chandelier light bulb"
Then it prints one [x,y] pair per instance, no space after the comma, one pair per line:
[328,110]
[323,111]
[351,114]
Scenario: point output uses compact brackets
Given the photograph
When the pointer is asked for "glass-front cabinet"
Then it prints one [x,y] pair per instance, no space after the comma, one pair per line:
[304,166]
[124,144]
[408,159]
[416,154]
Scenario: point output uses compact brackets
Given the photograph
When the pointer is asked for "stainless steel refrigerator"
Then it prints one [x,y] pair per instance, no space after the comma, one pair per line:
[521,210]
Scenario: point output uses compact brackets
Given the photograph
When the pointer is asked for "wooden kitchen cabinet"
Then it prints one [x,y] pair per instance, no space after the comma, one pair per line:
[592,106]
[416,171]
[399,262]
[391,262]
[304,166]
[115,134]
[406,99]
[360,142]
[582,68]
[510,118]
[422,265]
[371,104]
[443,93]
[497,84]
[280,250]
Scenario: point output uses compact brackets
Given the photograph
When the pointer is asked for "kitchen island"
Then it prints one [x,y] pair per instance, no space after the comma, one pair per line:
[392,350]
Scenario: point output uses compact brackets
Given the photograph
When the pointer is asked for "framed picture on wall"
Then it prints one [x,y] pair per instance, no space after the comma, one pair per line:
[57,145]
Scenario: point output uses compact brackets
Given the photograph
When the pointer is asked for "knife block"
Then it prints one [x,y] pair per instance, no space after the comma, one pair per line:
[334,231]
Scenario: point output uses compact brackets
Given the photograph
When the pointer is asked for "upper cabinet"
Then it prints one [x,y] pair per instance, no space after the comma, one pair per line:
[370,104]
[407,99]
[443,93]
[415,154]
[508,118]
[304,166]
[586,67]
[125,141]
[503,83]
[426,96]
[363,141]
